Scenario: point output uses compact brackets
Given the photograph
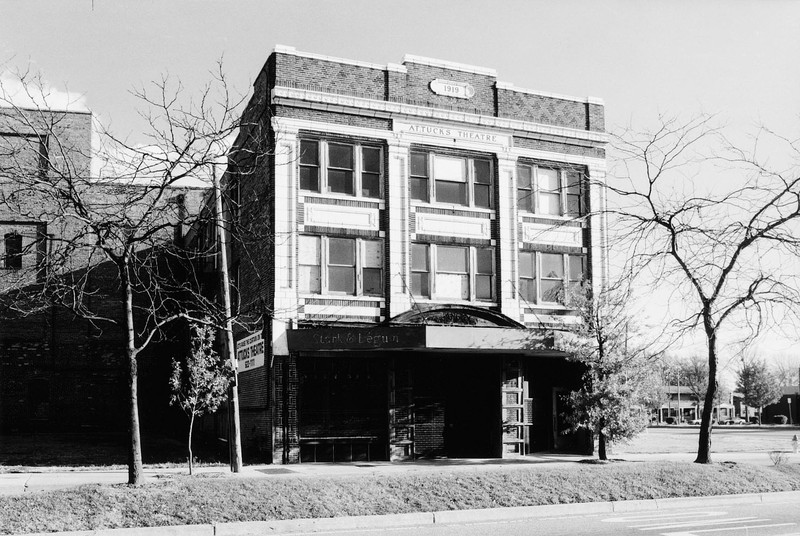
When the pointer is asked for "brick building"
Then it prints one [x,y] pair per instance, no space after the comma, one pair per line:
[60,372]
[406,235]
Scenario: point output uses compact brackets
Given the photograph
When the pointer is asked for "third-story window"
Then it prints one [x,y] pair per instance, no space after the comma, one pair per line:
[451,179]
[351,266]
[13,251]
[309,165]
[460,273]
[549,191]
[340,168]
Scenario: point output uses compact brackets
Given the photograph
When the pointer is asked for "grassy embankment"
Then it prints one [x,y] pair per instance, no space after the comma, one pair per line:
[180,500]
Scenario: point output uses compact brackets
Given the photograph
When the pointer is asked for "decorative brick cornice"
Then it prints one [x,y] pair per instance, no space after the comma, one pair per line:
[389,109]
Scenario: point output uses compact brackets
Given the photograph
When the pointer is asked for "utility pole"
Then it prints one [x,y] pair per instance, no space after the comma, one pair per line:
[230,351]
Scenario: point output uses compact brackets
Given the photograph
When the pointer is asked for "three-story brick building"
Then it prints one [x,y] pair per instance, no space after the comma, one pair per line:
[407,235]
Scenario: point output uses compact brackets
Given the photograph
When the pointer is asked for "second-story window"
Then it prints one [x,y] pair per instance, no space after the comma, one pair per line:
[340,168]
[451,179]
[543,277]
[460,273]
[351,266]
[550,191]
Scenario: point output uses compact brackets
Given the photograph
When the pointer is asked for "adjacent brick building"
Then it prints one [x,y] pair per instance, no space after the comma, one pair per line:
[58,371]
[405,233]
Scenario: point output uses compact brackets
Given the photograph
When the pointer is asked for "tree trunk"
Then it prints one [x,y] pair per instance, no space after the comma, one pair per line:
[601,446]
[191,427]
[704,446]
[135,445]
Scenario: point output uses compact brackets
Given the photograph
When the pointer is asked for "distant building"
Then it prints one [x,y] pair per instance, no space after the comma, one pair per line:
[406,235]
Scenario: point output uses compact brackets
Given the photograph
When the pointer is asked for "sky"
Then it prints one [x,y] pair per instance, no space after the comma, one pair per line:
[735,58]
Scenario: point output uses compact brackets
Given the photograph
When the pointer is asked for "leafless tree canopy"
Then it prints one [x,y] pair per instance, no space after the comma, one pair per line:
[715,224]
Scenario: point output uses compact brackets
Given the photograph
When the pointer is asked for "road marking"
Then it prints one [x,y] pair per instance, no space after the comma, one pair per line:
[698,523]
[658,516]
[727,529]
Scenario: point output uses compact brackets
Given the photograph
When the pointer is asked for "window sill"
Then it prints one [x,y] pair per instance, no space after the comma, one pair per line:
[343,197]
[350,297]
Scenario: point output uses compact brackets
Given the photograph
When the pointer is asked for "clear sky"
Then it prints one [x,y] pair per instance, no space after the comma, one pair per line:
[737,58]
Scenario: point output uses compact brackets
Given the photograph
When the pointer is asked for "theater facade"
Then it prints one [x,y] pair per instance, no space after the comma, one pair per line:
[405,237]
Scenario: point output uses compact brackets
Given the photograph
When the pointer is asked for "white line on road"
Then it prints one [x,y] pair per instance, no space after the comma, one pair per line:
[696,523]
[748,527]
[654,516]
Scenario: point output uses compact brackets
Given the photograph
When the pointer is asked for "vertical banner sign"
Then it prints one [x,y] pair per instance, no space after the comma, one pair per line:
[250,352]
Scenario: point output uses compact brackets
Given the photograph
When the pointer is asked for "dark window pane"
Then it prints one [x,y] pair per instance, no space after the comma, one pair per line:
[526,264]
[523,177]
[576,267]
[552,265]
[372,281]
[573,182]
[419,164]
[370,185]
[309,153]
[342,279]
[309,178]
[419,257]
[419,189]
[484,287]
[573,205]
[340,182]
[527,290]
[450,259]
[342,251]
[524,198]
[13,246]
[482,196]
[484,261]
[451,192]
[340,156]
[420,285]
[552,290]
[371,159]
[483,172]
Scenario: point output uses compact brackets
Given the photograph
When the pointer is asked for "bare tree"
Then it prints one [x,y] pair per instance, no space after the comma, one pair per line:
[714,224]
[118,229]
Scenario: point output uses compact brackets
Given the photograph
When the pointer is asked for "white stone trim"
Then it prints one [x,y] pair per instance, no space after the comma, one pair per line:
[445,64]
[542,233]
[283,49]
[388,109]
[341,216]
[511,87]
[447,225]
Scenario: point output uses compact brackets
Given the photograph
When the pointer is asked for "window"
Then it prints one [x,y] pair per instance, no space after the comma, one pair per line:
[420,270]
[309,165]
[13,251]
[550,191]
[460,273]
[544,276]
[340,168]
[352,266]
[25,154]
[455,180]
[527,276]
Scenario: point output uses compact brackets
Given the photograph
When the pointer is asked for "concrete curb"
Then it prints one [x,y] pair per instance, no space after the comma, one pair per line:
[288,526]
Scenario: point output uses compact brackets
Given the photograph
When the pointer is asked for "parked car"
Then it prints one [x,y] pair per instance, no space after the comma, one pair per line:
[695,421]
[735,420]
